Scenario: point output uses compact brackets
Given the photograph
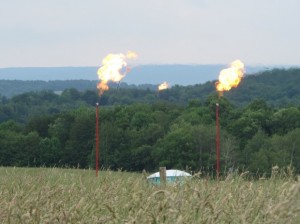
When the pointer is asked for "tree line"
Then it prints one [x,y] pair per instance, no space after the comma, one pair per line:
[140,136]
[144,129]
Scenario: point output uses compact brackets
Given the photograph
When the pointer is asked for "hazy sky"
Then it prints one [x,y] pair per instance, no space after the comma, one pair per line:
[81,33]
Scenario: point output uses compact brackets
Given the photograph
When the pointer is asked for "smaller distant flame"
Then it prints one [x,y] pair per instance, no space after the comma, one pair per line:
[131,55]
[163,86]
[114,68]
[230,77]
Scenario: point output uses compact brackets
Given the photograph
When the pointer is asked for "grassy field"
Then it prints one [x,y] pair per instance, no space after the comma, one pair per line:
[55,195]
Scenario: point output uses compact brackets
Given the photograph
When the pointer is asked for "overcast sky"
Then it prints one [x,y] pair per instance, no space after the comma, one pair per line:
[81,33]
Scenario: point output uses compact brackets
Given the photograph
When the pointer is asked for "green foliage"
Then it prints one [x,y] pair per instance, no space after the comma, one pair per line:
[50,151]
[285,119]
[176,149]
[81,139]
[141,129]
[18,148]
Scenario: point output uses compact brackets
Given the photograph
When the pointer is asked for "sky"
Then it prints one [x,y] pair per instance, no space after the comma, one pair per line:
[52,33]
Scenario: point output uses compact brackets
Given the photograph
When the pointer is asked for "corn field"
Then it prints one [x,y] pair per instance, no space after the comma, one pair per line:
[53,195]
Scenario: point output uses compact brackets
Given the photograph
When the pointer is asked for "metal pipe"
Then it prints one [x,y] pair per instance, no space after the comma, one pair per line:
[97,139]
[217,141]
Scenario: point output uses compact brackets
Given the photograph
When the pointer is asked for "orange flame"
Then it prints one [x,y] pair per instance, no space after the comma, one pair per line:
[230,77]
[114,68]
[163,86]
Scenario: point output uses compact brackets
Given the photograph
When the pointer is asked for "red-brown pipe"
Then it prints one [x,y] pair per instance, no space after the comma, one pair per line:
[97,139]
[217,141]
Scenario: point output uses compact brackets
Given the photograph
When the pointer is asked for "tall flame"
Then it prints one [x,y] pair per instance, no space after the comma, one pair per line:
[163,86]
[114,68]
[230,77]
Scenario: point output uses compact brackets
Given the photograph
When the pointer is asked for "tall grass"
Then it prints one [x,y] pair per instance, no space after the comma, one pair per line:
[76,196]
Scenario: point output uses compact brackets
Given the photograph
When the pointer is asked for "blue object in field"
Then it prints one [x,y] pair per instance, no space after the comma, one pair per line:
[172,176]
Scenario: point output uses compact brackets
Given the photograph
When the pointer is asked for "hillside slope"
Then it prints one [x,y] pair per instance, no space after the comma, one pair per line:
[277,87]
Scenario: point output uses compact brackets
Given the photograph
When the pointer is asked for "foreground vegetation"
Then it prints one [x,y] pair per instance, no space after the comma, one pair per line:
[40,195]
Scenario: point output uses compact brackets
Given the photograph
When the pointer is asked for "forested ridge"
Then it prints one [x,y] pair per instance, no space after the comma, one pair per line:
[278,87]
[10,88]
[144,129]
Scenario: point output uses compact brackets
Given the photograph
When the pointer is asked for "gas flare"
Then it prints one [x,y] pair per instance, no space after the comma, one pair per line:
[230,77]
[163,86]
[114,68]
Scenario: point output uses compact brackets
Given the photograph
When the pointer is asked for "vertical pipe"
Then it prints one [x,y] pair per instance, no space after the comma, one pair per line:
[217,141]
[97,139]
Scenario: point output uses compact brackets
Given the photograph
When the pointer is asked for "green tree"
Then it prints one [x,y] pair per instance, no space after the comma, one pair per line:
[141,158]
[39,124]
[257,154]
[285,120]
[177,149]
[256,116]
[17,148]
[50,152]
[60,127]
[80,143]
[286,149]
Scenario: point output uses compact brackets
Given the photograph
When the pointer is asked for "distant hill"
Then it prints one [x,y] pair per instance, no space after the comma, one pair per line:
[142,74]
[278,87]
[9,88]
